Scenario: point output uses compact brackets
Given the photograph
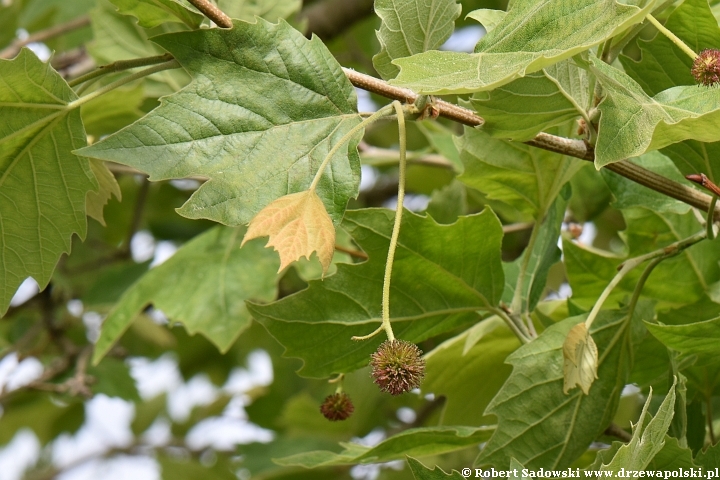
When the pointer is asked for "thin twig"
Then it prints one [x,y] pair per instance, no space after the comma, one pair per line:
[614,430]
[213,13]
[120,66]
[351,252]
[46,34]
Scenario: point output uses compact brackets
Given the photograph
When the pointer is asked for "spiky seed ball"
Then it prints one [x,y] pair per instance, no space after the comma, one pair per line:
[706,67]
[337,406]
[397,366]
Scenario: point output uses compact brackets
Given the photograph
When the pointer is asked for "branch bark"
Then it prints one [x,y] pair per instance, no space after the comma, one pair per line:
[43,35]
[213,13]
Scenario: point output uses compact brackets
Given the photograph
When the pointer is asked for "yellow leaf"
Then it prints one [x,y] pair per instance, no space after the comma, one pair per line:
[581,359]
[297,225]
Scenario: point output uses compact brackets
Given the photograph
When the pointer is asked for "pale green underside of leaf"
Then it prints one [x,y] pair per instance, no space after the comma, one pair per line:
[43,187]
[108,187]
[524,177]
[270,10]
[648,437]
[528,105]
[676,281]
[203,286]
[539,425]
[264,108]
[532,36]
[119,37]
[415,442]
[633,123]
[421,472]
[487,17]
[662,64]
[411,26]
[698,338]
[477,353]
[151,13]
[436,286]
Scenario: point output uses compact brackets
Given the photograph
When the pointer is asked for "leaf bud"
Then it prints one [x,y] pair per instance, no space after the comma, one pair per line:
[706,67]
[337,406]
[397,366]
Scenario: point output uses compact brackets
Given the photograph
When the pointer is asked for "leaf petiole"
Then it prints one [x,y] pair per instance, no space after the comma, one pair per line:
[682,45]
[120,66]
[119,83]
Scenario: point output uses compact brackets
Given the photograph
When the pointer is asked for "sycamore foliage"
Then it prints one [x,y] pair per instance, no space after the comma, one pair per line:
[538,285]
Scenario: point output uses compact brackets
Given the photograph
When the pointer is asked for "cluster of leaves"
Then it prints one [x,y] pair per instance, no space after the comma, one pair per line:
[233,126]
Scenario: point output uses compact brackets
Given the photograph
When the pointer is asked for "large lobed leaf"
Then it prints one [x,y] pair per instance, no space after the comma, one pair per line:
[699,338]
[524,177]
[416,442]
[411,26]
[476,355]
[436,286]
[263,109]
[632,123]
[203,286]
[533,35]
[43,187]
[539,425]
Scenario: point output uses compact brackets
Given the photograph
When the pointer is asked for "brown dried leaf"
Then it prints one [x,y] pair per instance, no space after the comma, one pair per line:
[581,359]
[297,225]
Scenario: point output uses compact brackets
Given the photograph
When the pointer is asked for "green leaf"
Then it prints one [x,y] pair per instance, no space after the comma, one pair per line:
[43,187]
[209,129]
[648,437]
[662,64]
[448,203]
[528,105]
[151,13]
[699,338]
[537,424]
[441,138]
[421,472]
[632,123]
[112,377]
[532,36]
[270,10]
[477,354]
[692,156]
[524,177]
[460,271]
[709,458]
[8,22]
[411,27]
[672,457]
[487,17]
[119,37]
[203,286]
[416,442]
[108,187]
